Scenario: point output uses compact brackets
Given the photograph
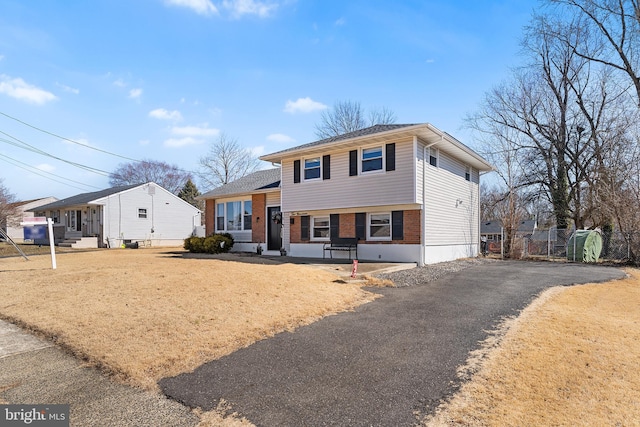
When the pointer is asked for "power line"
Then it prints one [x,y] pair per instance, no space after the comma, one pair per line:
[36,150]
[66,139]
[41,173]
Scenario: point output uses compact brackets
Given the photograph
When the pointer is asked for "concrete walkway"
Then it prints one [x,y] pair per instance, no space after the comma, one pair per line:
[33,371]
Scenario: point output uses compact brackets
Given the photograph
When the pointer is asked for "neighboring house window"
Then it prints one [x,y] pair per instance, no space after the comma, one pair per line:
[312,168]
[371,159]
[321,227]
[433,157]
[142,213]
[379,227]
[234,216]
[247,214]
[55,216]
[467,173]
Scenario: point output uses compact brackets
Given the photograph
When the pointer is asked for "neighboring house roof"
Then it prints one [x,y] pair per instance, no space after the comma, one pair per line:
[495,227]
[263,180]
[24,202]
[84,198]
[428,133]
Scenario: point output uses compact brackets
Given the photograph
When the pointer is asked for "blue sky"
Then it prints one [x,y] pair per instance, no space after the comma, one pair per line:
[161,79]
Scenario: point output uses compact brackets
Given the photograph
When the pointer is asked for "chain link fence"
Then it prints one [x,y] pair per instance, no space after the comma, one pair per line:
[552,244]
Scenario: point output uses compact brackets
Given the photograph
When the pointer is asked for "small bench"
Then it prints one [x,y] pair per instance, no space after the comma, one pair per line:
[341,244]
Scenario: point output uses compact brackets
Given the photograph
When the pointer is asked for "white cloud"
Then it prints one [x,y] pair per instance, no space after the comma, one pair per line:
[201,7]
[430,61]
[303,105]
[162,114]
[119,83]
[280,138]
[1,57]
[257,151]
[45,167]
[23,91]
[144,142]
[197,131]
[249,7]
[182,142]
[68,88]
[135,93]
[340,22]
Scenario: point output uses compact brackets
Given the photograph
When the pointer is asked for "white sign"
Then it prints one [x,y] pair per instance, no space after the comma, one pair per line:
[34,220]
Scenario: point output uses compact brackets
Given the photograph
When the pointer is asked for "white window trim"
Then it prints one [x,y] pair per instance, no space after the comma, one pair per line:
[369,237]
[146,213]
[225,222]
[436,154]
[360,159]
[302,172]
[312,228]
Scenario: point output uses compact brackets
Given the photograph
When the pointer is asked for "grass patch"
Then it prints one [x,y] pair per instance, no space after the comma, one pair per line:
[569,359]
[143,315]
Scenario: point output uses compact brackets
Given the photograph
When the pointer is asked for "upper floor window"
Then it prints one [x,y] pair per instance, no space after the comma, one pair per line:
[312,168]
[467,173]
[371,159]
[142,213]
[433,157]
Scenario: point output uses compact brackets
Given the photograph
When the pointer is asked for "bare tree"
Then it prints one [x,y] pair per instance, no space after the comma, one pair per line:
[169,177]
[348,116]
[8,209]
[226,161]
[614,28]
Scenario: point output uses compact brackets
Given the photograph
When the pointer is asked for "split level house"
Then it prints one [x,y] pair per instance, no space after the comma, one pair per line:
[146,214]
[404,192]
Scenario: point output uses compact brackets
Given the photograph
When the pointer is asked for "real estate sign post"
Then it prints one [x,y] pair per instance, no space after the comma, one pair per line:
[41,220]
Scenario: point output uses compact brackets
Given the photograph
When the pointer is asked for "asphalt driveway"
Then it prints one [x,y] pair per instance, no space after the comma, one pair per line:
[381,364]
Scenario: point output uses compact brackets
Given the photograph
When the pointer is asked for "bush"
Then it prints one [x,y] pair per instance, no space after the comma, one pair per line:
[213,244]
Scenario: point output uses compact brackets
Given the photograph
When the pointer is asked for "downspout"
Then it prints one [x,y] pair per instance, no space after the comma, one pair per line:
[423,237]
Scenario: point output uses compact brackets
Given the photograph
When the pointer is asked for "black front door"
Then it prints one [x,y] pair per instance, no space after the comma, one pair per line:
[274,229]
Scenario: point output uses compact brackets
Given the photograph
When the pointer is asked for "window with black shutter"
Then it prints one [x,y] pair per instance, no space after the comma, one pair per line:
[397,226]
[296,171]
[304,227]
[353,162]
[334,223]
[326,167]
[361,225]
[390,158]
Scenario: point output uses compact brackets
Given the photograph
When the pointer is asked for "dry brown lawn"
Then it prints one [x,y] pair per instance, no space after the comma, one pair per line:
[147,314]
[571,358]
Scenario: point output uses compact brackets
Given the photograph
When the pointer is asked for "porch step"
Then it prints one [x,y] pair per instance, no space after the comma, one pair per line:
[82,242]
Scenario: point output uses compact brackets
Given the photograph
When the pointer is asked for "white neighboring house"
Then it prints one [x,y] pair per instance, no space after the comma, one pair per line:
[406,192]
[12,226]
[143,213]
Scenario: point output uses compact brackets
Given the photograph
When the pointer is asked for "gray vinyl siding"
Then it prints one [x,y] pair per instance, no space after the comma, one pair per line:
[344,191]
[447,221]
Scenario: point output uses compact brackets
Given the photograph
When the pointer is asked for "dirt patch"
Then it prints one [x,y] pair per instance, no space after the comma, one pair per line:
[151,313]
[569,358]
